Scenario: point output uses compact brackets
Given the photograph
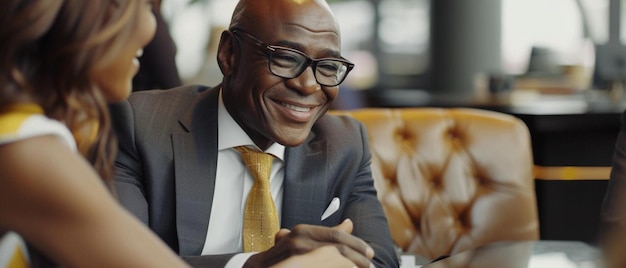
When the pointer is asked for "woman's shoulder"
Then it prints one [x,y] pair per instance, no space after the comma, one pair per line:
[24,121]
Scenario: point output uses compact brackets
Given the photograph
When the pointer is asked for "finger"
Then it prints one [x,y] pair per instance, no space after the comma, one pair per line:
[347,243]
[280,234]
[356,257]
[345,226]
[352,241]
[348,226]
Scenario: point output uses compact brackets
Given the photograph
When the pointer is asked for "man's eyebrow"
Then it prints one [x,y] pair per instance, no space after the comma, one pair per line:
[329,53]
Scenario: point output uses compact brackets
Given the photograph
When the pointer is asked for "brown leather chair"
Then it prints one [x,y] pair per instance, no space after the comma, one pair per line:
[451,179]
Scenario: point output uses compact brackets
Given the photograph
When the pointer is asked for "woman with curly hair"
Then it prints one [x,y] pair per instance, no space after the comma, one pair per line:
[61,63]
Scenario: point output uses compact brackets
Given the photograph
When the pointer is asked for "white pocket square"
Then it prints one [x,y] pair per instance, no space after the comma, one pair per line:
[332,208]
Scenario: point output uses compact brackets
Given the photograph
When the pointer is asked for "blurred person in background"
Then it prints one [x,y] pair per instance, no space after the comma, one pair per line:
[158,60]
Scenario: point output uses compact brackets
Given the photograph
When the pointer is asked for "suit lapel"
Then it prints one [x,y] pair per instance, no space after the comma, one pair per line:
[306,180]
[195,165]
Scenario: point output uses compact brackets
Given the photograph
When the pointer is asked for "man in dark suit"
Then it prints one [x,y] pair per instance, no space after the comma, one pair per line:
[180,173]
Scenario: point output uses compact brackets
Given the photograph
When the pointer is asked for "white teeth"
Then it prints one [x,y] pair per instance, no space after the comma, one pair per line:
[297,108]
[139,52]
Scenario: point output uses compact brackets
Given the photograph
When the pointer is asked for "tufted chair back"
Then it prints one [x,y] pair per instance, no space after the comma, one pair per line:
[451,179]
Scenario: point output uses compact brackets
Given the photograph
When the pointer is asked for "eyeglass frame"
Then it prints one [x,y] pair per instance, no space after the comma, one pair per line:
[270,49]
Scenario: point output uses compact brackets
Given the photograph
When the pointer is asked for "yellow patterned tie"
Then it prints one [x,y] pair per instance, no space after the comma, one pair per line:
[260,220]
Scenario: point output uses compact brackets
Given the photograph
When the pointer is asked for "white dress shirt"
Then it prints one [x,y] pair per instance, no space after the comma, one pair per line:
[232,184]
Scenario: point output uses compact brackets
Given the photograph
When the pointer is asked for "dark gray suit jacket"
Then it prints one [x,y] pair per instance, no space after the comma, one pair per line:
[167,163]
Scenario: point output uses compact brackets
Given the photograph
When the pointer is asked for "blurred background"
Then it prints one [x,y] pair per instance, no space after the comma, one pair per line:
[408,52]
[558,65]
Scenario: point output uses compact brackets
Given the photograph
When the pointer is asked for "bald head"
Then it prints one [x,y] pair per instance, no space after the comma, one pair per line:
[263,16]
[278,107]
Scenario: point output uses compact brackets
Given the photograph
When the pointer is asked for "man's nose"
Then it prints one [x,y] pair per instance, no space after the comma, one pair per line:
[305,83]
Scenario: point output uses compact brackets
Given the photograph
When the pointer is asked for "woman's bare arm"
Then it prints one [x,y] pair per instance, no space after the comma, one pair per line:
[55,200]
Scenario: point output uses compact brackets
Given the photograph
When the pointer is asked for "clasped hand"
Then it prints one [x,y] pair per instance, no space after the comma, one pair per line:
[328,247]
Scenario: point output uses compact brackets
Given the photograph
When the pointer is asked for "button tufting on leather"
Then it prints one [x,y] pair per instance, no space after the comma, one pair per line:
[451,179]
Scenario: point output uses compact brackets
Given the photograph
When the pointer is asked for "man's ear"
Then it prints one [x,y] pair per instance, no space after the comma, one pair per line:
[226,53]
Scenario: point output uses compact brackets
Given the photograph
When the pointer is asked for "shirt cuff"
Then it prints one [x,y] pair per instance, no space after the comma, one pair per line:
[239,260]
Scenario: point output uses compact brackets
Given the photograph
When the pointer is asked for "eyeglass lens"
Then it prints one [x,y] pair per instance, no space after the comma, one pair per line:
[289,64]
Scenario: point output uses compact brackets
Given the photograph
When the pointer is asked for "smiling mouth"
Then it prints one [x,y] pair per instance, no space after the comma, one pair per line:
[296,108]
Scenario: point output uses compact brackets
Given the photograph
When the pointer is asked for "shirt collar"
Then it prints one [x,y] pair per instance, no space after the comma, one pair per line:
[230,134]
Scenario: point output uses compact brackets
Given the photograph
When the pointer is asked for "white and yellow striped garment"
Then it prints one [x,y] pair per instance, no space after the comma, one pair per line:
[23,121]
[20,122]
[13,253]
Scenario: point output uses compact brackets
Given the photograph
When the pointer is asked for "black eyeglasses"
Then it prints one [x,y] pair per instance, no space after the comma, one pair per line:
[289,63]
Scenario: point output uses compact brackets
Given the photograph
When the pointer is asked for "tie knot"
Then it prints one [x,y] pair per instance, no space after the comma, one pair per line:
[258,163]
